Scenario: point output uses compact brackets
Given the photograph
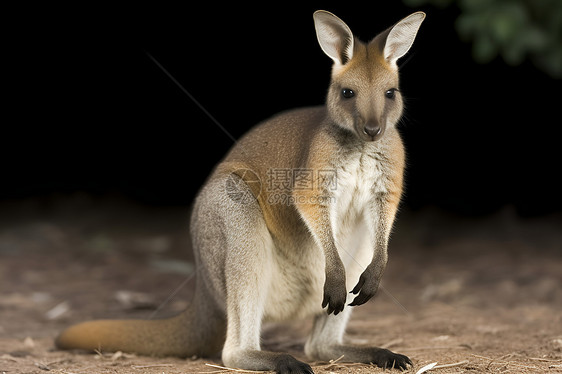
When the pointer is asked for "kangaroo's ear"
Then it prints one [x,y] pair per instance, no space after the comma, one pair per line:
[334,36]
[401,37]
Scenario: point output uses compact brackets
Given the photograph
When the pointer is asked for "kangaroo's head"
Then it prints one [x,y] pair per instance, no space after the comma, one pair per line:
[364,95]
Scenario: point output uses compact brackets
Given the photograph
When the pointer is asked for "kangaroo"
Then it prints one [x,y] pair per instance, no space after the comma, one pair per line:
[293,223]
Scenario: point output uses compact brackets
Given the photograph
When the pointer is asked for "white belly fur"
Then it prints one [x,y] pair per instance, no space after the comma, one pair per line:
[352,226]
[296,292]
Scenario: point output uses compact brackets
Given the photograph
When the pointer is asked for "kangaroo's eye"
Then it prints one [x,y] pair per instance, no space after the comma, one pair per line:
[347,93]
[390,94]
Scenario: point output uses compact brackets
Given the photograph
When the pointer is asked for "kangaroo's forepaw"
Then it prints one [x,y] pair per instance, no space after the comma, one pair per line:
[287,364]
[335,296]
[366,287]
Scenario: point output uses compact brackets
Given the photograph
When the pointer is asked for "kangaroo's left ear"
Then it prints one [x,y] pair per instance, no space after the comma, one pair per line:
[401,37]
[334,36]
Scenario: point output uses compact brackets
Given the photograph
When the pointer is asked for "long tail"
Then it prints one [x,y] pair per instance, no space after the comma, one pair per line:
[198,331]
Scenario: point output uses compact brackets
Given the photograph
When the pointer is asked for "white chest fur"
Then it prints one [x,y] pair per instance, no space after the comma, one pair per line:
[359,180]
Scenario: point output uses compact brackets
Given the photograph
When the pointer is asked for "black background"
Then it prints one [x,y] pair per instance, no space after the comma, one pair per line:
[89,111]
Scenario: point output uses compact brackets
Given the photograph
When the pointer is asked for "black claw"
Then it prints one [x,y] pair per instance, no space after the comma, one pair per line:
[358,286]
[334,309]
[330,308]
[361,299]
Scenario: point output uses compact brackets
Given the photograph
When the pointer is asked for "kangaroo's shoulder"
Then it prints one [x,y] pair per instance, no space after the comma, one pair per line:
[282,134]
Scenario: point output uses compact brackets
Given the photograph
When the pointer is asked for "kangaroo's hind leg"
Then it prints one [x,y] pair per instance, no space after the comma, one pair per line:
[247,268]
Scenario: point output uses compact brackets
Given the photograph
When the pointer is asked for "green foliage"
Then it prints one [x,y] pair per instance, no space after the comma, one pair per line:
[513,29]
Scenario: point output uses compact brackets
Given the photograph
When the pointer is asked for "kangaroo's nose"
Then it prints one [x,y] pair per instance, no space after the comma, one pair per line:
[371,130]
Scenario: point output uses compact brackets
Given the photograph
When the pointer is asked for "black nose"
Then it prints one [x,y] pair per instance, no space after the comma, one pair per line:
[372,131]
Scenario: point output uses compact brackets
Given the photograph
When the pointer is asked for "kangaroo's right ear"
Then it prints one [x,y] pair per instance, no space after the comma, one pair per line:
[334,36]
[401,37]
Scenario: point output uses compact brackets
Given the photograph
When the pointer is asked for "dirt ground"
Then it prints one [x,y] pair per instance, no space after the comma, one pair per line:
[483,295]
